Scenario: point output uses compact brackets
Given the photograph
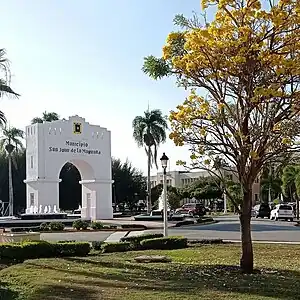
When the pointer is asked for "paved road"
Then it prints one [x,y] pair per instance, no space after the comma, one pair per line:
[228,228]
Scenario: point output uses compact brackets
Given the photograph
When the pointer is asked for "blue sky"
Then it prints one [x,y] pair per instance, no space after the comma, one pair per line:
[85,58]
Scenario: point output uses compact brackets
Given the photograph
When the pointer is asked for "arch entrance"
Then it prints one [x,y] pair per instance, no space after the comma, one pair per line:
[69,188]
[50,145]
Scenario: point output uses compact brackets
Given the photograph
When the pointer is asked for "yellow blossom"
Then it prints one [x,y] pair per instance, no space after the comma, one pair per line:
[207,161]
[253,154]
[286,141]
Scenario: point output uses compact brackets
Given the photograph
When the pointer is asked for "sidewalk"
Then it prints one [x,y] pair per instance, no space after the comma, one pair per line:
[130,220]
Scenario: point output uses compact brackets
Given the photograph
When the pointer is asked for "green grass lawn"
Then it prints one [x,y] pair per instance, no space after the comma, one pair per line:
[206,272]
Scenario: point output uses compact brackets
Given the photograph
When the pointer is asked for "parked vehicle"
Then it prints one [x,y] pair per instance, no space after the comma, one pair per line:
[282,211]
[193,209]
[262,210]
[294,207]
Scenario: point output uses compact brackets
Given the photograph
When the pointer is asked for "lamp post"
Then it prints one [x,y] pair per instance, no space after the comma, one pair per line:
[225,202]
[164,163]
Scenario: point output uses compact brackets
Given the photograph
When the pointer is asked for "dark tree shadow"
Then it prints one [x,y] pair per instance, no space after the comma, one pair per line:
[66,292]
[6,293]
[180,278]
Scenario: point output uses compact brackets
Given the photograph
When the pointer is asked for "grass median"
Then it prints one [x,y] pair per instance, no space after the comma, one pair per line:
[205,272]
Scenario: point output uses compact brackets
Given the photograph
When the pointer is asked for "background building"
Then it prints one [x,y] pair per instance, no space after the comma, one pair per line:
[181,179]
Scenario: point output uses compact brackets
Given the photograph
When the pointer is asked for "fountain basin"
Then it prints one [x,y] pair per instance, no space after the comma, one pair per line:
[44,216]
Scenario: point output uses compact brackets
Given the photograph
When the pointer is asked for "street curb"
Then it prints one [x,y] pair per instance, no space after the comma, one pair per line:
[197,224]
[264,242]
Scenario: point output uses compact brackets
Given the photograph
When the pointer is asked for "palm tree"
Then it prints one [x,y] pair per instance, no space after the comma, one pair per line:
[149,131]
[2,119]
[5,89]
[46,117]
[270,184]
[11,143]
[4,82]
[291,184]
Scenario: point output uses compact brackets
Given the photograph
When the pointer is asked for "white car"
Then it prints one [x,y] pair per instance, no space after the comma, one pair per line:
[282,211]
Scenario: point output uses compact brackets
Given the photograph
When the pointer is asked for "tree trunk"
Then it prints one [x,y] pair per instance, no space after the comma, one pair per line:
[10,188]
[245,221]
[297,208]
[149,181]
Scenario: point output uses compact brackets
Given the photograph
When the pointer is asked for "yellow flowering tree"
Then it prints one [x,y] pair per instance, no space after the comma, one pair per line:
[243,73]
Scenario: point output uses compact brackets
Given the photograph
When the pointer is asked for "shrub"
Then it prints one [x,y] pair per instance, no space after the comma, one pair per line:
[136,226]
[71,241]
[136,240]
[26,250]
[115,247]
[80,224]
[56,226]
[44,227]
[212,241]
[84,225]
[11,252]
[96,225]
[96,245]
[37,249]
[165,243]
[41,249]
[72,249]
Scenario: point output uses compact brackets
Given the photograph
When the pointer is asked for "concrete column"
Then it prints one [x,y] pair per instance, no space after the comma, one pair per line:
[97,199]
[42,192]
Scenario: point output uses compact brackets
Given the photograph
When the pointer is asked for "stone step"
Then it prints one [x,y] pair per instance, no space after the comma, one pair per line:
[141,232]
[116,236]
[135,233]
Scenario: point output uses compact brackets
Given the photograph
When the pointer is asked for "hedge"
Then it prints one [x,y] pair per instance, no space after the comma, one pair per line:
[165,243]
[72,249]
[116,247]
[96,245]
[207,241]
[56,226]
[138,238]
[41,249]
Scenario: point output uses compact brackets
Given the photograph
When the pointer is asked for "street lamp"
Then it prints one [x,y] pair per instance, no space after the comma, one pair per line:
[164,163]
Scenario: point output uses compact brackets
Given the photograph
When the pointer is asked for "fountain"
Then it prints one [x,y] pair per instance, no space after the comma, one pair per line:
[156,214]
[161,202]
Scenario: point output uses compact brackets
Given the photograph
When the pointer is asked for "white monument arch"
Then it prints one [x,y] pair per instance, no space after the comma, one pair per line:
[50,145]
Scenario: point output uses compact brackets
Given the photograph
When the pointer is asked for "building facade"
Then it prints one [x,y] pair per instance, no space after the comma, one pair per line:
[181,179]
